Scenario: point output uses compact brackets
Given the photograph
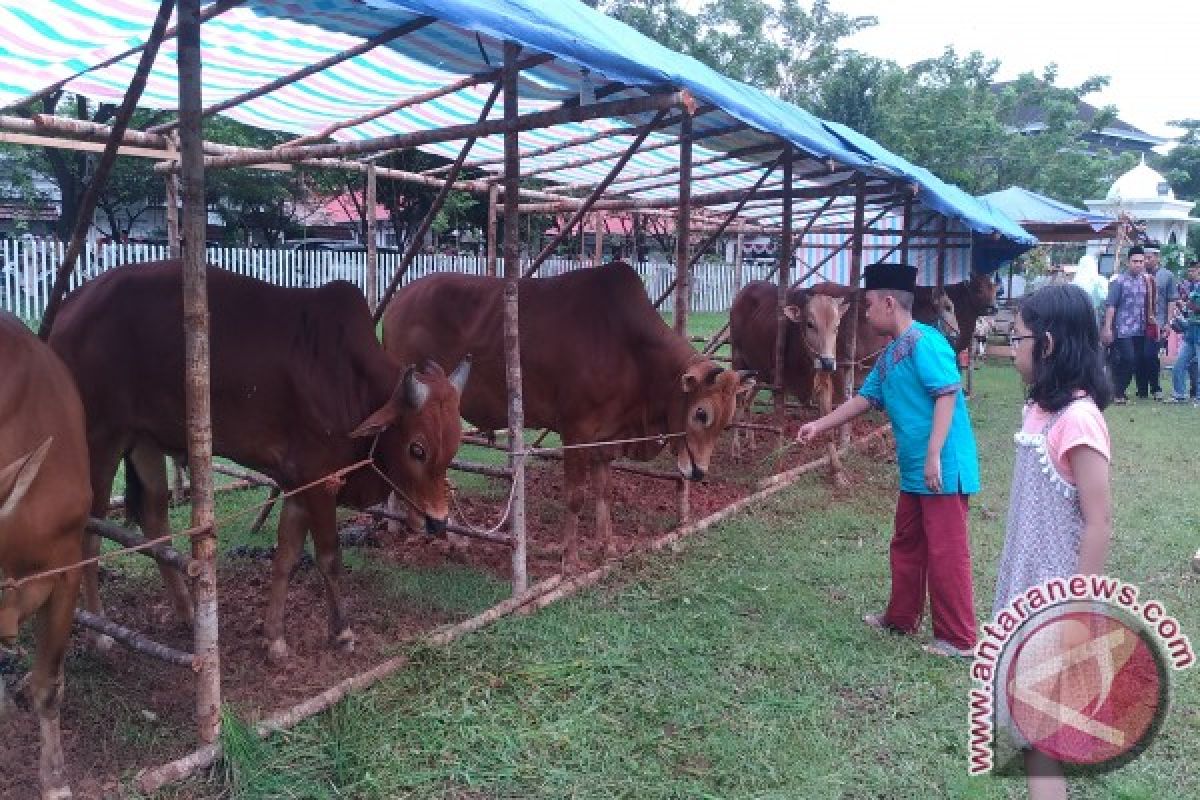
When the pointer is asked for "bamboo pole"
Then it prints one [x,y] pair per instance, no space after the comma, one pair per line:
[450,133]
[512,328]
[558,188]
[709,199]
[856,256]
[285,80]
[134,640]
[493,198]
[372,277]
[488,76]
[220,7]
[91,195]
[683,282]
[198,397]
[414,246]
[785,272]
[577,219]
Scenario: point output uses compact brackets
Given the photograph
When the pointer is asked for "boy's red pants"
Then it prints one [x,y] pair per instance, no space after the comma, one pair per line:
[930,548]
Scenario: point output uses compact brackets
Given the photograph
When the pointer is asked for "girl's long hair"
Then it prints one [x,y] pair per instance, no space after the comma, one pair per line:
[1076,362]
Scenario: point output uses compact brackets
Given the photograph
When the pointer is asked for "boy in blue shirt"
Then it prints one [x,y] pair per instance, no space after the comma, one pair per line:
[916,381]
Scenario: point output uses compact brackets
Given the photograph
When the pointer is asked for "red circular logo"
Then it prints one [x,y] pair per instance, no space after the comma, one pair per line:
[1085,687]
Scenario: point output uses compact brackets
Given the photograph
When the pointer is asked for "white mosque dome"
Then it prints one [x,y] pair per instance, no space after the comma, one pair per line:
[1141,183]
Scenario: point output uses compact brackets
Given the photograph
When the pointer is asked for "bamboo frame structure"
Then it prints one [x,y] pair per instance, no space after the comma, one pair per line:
[186,162]
[784,270]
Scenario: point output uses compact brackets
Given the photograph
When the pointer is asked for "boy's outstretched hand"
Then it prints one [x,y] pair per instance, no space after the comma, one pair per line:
[807,432]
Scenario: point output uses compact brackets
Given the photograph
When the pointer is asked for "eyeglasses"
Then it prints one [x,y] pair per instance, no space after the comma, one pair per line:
[1014,340]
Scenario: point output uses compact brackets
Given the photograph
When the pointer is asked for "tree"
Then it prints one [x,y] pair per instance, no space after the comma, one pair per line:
[1182,164]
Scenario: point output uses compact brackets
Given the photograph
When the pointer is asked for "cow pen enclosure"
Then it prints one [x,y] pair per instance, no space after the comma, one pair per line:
[600,133]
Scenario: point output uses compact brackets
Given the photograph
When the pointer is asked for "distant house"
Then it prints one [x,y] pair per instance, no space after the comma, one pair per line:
[1117,137]
[338,218]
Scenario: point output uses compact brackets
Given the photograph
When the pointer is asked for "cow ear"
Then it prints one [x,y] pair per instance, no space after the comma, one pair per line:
[792,312]
[694,376]
[16,478]
[377,423]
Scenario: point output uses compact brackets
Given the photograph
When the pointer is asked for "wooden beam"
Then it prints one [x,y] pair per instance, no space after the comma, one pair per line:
[416,243]
[198,408]
[565,230]
[489,76]
[220,7]
[91,195]
[369,44]
[532,121]
[671,170]
[134,640]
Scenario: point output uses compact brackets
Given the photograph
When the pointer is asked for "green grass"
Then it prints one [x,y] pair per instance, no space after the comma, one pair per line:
[739,668]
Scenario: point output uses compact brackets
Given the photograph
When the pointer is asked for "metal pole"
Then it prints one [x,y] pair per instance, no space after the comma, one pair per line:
[372,281]
[785,274]
[512,340]
[198,403]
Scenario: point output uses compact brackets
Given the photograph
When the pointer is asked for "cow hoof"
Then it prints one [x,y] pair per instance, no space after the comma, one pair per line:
[346,641]
[277,652]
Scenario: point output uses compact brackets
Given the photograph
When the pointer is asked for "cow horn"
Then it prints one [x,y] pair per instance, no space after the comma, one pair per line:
[415,392]
[458,378]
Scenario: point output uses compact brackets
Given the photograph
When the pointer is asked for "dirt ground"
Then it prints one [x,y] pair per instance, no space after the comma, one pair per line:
[124,711]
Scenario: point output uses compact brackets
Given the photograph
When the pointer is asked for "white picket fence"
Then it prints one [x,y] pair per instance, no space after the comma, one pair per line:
[28,267]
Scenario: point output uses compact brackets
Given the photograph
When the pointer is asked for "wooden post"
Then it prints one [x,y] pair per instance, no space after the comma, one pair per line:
[198,400]
[601,223]
[493,197]
[172,209]
[372,281]
[683,284]
[856,257]
[737,258]
[512,339]
[906,229]
[91,195]
[785,274]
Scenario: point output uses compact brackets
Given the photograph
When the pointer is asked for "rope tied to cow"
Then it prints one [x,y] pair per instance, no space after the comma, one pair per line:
[336,475]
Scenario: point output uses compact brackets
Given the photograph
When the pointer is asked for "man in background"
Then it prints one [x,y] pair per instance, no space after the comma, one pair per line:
[1166,291]
[1124,329]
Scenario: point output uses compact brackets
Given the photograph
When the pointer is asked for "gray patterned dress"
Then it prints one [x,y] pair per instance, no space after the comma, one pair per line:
[1045,521]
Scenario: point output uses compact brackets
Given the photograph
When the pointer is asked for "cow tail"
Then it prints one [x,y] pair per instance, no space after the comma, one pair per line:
[135,494]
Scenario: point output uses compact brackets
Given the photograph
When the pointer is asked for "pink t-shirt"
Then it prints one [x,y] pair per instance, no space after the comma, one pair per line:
[1081,424]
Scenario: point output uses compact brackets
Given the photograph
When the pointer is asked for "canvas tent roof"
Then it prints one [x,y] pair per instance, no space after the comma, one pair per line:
[1049,219]
[259,40]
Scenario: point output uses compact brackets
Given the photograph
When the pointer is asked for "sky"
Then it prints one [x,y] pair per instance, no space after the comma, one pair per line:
[1149,49]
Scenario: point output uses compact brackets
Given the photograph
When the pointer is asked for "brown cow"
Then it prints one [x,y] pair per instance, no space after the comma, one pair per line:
[44,501]
[810,346]
[937,310]
[598,364]
[973,298]
[300,388]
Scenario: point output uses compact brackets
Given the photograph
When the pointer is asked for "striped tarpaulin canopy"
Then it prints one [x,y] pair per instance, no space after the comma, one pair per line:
[260,40]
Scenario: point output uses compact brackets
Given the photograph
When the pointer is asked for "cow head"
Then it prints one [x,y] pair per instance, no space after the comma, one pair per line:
[419,432]
[981,293]
[818,318]
[710,397]
[945,318]
[16,478]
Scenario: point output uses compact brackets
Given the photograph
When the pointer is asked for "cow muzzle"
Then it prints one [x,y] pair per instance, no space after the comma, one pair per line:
[435,526]
[826,363]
